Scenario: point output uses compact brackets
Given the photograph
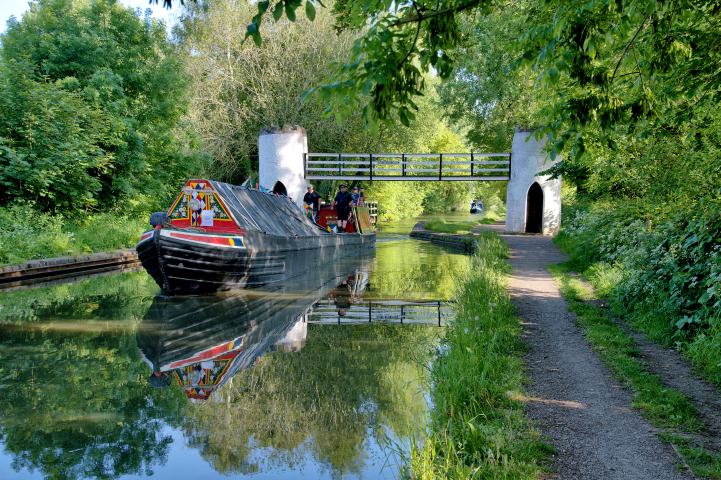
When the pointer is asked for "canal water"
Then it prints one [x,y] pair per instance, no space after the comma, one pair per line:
[325,378]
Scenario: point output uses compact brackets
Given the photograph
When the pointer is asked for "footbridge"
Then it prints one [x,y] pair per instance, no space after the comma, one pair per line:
[533,199]
[454,167]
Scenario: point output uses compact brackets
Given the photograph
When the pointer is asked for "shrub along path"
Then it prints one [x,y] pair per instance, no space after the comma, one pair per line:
[576,403]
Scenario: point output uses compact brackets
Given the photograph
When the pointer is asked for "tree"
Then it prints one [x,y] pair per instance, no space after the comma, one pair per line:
[488,95]
[398,42]
[92,97]
[625,63]
[600,47]
[239,88]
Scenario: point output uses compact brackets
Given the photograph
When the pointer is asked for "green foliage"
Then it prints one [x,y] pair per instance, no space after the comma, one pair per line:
[606,64]
[384,73]
[663,270]
[488,95]
[478,426]
[444,226]
[428,134]
[666,407]
[625,63]
[27,234]
[705,464]
[239,88]
[92,96]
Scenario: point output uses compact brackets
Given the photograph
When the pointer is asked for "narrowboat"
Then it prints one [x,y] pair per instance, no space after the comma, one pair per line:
[218,236]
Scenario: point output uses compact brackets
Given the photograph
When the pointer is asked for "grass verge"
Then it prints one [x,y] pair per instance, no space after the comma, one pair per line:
[478,429]
[443,226]
[666,408]
[26,234]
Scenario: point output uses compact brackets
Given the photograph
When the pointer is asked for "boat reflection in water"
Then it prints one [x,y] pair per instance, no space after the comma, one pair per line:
[201,342]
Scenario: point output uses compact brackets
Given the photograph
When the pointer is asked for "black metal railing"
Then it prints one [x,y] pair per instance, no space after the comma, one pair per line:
[407,166]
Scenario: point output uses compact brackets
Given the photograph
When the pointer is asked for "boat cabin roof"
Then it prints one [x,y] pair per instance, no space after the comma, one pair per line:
[236,208]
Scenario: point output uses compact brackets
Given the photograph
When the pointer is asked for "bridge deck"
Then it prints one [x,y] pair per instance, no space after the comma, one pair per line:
[454,167]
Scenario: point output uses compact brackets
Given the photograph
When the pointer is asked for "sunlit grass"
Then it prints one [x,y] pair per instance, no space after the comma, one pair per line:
[478,427]
[459,227]
[27,234]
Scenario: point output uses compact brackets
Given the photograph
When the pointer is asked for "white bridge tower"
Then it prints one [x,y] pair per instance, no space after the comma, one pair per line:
[533,201]
[280,160]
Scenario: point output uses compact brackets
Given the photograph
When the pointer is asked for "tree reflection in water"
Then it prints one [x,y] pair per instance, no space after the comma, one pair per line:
[345,382]
[425,272]
[76,403]
[326,398]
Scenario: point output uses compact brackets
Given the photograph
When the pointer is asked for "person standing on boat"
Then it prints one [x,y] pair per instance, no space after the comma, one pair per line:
[361,198]
[342,204]
[312,199]
[355,195]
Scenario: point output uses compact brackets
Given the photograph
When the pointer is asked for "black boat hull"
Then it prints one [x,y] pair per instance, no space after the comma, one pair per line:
[185,263]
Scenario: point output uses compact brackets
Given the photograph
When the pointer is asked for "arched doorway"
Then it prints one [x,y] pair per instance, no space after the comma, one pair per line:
[534,209]
[279,188]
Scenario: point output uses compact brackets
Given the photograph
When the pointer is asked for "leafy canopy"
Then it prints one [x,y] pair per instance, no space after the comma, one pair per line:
[608,61]
[91,97]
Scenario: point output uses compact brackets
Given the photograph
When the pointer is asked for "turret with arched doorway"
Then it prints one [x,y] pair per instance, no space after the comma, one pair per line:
[533,201]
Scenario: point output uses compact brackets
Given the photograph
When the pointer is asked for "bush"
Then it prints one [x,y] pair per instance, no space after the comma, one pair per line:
[92,98]
[27,234]
[660,268]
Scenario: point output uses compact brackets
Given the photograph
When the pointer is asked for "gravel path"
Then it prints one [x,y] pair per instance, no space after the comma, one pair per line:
[574,400]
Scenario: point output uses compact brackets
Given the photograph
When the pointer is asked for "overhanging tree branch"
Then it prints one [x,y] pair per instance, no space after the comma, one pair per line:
[628,45]
[420,17]
[415,39]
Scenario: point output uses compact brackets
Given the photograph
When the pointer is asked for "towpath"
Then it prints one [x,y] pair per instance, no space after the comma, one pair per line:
[573,398]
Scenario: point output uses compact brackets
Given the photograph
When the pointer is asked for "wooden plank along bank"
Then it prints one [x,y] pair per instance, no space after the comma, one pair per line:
[62,267]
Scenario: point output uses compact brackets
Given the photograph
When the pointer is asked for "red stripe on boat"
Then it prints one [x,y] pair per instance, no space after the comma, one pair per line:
[145,236]
[211,353]
[223,241]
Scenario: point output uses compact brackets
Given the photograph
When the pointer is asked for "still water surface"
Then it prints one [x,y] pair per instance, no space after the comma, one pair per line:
[323,378]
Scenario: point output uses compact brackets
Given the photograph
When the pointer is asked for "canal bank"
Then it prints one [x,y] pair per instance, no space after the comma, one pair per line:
[478,424]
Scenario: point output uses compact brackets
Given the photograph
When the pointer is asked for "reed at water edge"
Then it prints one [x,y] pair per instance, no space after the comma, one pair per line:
[478,428]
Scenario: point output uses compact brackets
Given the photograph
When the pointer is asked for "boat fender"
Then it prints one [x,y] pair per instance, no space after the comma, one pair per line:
[160,219]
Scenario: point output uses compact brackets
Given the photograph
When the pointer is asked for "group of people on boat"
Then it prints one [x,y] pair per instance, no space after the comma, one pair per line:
[342,203]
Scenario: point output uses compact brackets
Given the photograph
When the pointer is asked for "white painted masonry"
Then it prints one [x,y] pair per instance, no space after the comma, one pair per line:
[527,160]
[280,159]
